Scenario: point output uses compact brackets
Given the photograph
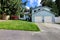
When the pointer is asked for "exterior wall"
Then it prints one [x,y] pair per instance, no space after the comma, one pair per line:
[33,18]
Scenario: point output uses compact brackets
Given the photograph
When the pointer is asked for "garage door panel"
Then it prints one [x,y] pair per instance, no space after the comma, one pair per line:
[38,19]
[48,19]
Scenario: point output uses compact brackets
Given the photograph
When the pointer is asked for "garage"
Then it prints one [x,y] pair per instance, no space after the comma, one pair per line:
[43,15]
[46,19]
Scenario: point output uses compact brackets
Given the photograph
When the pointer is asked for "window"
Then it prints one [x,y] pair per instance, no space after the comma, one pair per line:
[21,15]
[38,9]
[34,10]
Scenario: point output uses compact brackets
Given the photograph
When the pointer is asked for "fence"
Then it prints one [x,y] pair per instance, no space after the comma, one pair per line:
[57,19]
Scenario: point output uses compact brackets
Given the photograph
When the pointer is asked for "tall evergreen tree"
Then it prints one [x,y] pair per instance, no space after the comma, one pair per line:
[51,4]
[58,5]
[47,3]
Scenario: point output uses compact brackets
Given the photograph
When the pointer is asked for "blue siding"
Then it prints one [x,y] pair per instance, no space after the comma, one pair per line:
[43,13]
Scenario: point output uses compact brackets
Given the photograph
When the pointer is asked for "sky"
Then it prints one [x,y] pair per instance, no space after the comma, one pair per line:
[53,0]
[33,3]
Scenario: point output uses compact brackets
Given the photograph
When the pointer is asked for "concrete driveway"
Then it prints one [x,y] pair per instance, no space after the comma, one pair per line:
[49,32]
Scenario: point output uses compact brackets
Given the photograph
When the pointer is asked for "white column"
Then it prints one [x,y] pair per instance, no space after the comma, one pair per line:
[24,16]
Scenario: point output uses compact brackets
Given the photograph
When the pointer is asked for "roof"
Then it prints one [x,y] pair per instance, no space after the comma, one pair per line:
[46,8]
[36,7]
[44,13]
[42,7]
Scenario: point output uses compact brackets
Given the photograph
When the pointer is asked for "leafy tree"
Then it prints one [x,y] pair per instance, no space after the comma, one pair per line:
[55,9]
[5,7]
[47,3]
[10,6]
[23,8]
[0,6]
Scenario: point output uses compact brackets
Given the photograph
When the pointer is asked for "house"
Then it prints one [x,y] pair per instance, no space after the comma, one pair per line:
[40,14]
[43,14]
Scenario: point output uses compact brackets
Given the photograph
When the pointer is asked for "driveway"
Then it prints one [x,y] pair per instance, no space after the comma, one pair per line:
[48,32]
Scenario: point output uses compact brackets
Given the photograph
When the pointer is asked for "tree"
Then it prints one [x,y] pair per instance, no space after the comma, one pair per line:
[58,5]
[10,6]
[7,7]
[30,13]
[47,3]
[0,6]
[51,4]
[55,9]
[23,9]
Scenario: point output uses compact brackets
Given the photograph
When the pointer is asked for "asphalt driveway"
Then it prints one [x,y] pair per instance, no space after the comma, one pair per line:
[49,32]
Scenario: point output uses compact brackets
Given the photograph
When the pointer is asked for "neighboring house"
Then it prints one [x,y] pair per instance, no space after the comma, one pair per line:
[43,14]
[24,16]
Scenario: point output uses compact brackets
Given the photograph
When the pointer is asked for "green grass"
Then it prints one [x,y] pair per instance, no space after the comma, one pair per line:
[18,25]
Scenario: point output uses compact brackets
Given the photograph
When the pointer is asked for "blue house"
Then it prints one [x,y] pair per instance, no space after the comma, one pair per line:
[43,14]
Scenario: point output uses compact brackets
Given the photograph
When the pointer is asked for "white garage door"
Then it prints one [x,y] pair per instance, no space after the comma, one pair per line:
[38,19]
[48,19]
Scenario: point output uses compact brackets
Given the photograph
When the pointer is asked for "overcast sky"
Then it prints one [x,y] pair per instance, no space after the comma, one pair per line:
[33,3]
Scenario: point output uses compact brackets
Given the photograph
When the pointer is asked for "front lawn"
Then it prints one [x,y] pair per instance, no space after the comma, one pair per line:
[18,25]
